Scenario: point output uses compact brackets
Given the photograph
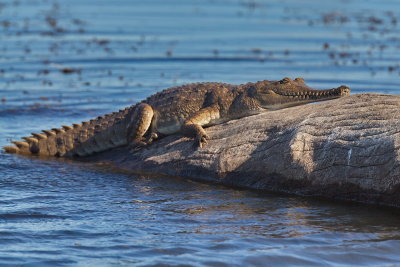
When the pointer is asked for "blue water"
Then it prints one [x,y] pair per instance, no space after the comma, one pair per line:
[59,213]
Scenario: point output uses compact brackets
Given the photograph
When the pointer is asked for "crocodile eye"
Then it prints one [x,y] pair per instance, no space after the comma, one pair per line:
[285,80]
[300,80]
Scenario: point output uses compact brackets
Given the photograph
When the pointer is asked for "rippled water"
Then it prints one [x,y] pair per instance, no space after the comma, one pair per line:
[118,52]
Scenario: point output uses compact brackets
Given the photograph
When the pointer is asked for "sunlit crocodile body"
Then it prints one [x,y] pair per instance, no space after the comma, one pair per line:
[184,109]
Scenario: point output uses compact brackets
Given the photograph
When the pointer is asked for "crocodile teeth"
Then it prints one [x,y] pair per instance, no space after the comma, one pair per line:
[49,133]
[30,139]
[67,127]
[39,136]
[20,144]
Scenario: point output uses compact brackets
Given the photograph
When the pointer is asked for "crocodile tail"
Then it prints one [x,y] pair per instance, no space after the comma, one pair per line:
[83,139]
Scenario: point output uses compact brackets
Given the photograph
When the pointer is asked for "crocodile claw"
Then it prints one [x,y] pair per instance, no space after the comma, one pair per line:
[151,138]
[201,141]
[136,146]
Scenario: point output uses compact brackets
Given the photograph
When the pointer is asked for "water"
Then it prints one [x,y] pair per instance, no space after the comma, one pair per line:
[68,213]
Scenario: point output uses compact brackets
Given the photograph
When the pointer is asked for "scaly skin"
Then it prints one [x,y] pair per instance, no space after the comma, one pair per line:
[185,109]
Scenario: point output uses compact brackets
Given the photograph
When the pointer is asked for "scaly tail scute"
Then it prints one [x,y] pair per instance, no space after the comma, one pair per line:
[11,149]
[83,139]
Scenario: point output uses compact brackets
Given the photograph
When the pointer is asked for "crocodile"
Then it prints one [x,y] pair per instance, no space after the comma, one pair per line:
[183,109]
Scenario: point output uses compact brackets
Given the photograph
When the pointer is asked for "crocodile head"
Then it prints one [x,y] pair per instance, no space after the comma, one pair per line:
[288,92]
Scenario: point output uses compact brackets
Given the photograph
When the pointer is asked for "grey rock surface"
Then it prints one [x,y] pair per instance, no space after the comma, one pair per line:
[341,149]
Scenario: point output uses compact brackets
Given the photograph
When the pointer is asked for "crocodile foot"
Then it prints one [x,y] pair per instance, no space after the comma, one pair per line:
[136,146]
[149,139]
[201,141]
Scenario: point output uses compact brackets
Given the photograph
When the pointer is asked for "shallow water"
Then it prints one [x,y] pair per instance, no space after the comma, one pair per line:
[68,213]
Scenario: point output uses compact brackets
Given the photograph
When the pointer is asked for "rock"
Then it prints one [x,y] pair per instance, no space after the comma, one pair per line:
[344,149]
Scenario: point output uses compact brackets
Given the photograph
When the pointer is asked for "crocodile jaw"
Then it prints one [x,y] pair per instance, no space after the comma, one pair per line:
[279,100]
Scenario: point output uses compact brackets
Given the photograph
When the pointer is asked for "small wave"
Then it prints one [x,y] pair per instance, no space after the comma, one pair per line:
[166,59]
[29,216]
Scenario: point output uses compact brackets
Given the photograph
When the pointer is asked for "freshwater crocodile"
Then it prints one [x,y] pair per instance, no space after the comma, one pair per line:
[185,109]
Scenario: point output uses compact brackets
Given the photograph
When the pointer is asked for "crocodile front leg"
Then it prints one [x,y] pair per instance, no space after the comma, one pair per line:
[192,127]
[139,125]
